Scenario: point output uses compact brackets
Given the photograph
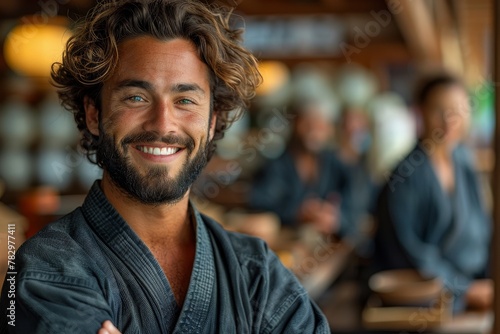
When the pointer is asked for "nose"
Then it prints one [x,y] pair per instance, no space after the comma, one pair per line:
[162,118]
[452,117]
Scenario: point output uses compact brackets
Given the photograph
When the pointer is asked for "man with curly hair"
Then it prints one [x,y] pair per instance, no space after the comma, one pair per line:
[151,85]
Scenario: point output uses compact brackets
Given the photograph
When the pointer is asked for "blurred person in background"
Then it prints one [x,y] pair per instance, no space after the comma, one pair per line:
[430,213]
[307,184]
[151,85]
[353,142]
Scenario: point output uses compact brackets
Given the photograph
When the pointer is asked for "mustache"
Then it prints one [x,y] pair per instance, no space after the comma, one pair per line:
[152,137]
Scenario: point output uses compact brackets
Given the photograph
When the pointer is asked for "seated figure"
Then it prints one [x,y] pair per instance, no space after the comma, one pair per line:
[430,213]
[307,184]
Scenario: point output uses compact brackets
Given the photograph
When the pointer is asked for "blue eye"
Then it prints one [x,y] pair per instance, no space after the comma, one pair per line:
[136,98]
[185,101]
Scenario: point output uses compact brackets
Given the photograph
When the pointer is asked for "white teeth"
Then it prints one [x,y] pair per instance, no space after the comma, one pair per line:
[158,151]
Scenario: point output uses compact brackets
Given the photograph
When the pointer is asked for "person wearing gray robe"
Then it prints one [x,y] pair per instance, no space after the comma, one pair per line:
[430,213]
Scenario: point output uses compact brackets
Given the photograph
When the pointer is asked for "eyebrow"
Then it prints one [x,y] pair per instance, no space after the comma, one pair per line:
[177,88]
[134,83]
[182,88]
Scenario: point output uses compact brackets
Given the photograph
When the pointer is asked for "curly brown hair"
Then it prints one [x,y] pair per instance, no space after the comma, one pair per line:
[91,55]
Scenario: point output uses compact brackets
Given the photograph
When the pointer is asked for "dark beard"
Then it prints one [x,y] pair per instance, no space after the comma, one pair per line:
[156,187]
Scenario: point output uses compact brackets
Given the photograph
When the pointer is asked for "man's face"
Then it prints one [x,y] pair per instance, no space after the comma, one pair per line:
[155,122]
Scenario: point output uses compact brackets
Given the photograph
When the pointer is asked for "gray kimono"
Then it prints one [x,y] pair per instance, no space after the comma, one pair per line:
[421,226]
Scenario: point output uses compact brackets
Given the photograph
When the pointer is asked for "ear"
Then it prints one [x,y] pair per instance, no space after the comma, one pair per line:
[213,123]
[91,115]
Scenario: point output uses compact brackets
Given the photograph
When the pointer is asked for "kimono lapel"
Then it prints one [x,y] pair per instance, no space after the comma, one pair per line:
[460,207]
[199,298]
[123,244]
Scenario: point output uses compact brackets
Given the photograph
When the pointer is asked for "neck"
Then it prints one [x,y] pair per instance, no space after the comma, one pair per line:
[154,224]
[441,152]
[306,163]
[347,151]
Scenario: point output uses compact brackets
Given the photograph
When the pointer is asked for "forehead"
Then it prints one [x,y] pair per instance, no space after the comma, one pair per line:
[160,61]
[447,94]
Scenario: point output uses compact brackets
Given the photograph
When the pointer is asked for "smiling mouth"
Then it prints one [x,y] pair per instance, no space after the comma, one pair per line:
[163,151]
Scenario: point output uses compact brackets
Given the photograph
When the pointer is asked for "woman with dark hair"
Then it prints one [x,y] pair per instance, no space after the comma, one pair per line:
[430,213]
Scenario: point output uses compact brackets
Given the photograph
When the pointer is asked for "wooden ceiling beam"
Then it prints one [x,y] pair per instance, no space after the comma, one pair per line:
[475,25]
[449,39]
[418,28]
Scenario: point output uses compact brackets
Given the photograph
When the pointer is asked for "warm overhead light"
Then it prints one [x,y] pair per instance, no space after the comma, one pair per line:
[31,48]
[275,75]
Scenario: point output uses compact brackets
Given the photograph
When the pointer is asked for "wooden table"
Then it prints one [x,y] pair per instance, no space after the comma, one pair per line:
[328,264]
[435,319]
[468,323]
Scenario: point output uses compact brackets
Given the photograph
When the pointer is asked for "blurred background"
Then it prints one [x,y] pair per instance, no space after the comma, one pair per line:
[364,56]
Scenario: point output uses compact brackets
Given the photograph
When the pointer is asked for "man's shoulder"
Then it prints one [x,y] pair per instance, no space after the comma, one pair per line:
[62,229]
[274,292]
[55,246]
[252,255]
